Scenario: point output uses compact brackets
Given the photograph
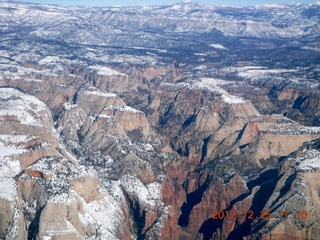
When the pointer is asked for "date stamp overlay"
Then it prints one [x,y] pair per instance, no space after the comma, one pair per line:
[263,214]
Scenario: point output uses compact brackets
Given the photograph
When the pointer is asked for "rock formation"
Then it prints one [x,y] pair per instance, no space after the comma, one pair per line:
[103,137]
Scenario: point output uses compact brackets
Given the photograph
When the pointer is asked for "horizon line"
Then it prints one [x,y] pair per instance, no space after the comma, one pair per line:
[151,5]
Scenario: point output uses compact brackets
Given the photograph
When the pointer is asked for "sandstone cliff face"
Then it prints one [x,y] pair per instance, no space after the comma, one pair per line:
[288,194]
[222,128]
[60,220]
[88,188]
[181,155]
[56,197]
[218,196]
[294,102]
[159,168]
[296,192]
[273,136]
[135,129]
[200,108]
[11,215]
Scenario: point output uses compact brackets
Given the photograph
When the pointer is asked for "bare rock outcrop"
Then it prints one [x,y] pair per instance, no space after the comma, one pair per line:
[294,202]
[12,225]
[274,136]
[61,220]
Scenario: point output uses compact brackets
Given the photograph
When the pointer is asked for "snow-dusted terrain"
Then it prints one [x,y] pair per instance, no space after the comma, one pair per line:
[139,122]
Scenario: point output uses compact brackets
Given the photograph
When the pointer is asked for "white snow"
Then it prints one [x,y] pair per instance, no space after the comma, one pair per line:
[270,6]
[201,67]
[104,116]
[86,219]
[134,59]
[23,71]
[105,71]
[232,99]
[28,99]
[49,59]
[308,164]
[22,117]
[115,191]
[312,49]
[106,212]
[200,54]
[175,87]
[46,238]
[101,94]
[209,84]
[154,49]
[213,85]
[126,109]
[7,151]
[148,147]
[17,106]
[9,167]
[8,188]
[68,106]
[250,72]
[45,165]
[176,7]
[148,194]
[10,146]
[62,198]
[292,129]
[216,82]
[15,138]
[218,46]
[309,160]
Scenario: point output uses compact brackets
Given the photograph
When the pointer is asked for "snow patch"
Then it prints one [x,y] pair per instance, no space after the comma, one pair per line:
[148,147]
[218,46]
[86,219]
[8,188]
[10,168]
[232,99]
[308,160]
[101,94]
[209,84]
[105,71]
[311,49]
[148,194]
[288,128]
[14,71]
[213,85]
[8,151]
[68,106]
[49,59]
[125,109]
[22,117]
[62,198]
[279,6]
[104,116]
[310,164]
[250,72]
[106,213]
[20,107]
[11,93]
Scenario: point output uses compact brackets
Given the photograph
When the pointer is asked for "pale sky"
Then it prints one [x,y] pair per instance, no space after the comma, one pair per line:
[104,3]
